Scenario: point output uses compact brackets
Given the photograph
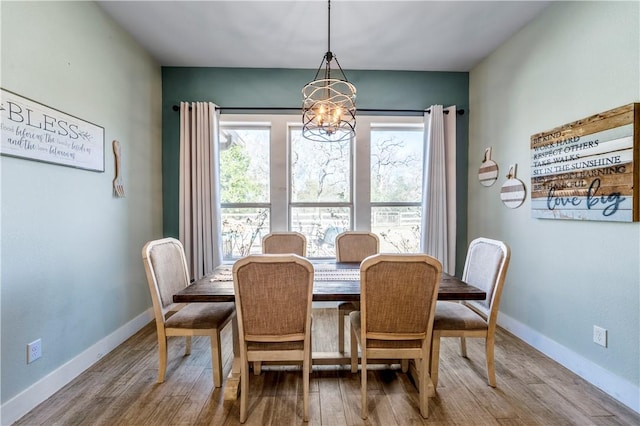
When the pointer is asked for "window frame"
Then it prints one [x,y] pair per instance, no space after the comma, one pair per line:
[360,162]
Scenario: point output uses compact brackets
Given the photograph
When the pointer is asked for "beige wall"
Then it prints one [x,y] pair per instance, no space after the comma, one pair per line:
[577,59]
[72,273]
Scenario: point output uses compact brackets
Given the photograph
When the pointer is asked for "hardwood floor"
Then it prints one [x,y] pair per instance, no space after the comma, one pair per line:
[121,389]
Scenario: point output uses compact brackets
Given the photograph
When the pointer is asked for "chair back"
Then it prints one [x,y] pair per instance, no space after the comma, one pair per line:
[355,246]
[398,295]
[273,298]
[284,243]
[167,273]
[486,268]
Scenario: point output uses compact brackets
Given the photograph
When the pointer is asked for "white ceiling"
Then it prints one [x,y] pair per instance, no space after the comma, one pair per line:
[375,35]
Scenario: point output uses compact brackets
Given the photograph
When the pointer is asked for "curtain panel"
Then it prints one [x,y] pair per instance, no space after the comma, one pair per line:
[439,187]
[199,221]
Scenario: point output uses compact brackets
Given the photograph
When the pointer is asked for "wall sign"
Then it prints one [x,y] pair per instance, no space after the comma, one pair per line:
[588,169]
[36,132]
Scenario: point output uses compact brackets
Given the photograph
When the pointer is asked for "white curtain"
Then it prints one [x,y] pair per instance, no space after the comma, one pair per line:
[200,226]
[439,187]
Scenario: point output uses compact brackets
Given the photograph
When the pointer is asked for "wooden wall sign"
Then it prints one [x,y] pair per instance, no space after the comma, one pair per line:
[37,132]
[588,169]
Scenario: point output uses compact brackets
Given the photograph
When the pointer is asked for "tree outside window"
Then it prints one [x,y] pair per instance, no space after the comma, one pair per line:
[396,187]
[320,191]
[244,189]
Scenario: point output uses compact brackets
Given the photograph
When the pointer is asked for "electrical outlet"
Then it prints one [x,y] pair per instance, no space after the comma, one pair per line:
[34,351]
[600,336]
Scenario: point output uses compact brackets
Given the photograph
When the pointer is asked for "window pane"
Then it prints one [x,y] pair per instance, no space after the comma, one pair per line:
[320,225]
[396,165]
[244,165]
[397,227]
[242,231]
[320,171]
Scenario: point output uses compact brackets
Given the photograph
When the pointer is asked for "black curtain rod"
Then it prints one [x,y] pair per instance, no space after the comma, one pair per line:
[459,111]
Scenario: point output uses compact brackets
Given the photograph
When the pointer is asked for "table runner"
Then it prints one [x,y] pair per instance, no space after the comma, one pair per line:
[321,273]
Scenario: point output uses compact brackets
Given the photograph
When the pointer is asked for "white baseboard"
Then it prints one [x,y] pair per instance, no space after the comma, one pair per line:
[622,390]
[28,399]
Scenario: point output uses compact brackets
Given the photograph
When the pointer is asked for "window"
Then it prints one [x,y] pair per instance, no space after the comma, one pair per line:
[396,186]
[274,180]
[244,188]
[320,191]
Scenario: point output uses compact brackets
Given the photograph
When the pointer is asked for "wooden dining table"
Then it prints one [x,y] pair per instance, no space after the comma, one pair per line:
[333,282]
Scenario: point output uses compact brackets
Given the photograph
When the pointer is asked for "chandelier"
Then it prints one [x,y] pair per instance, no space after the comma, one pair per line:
[329,101]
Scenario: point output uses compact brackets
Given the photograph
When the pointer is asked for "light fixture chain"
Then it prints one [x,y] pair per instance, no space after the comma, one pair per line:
[329,27]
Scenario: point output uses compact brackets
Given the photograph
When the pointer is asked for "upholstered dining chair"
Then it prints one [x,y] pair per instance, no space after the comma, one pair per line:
[167,272]
[353,246]
[398,295]
[284,242]
[485,267]
[272,327]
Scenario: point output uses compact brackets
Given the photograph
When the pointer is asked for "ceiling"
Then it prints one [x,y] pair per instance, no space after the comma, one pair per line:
[373,35]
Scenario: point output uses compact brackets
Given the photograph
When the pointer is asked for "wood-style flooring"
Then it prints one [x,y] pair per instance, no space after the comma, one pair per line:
[532,389]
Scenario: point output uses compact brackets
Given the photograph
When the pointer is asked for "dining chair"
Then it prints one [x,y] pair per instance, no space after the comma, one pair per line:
[398,295]
[284,242]
[485,267]
[352,247]
[273,296]
[167,272]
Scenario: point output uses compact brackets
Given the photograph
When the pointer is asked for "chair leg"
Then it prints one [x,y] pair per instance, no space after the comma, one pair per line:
[244,389]
[257,367]
[306,367]
[489,351]
[162,357]
[404,365]
[463,347]
[354,352]
[187,349]
[216,359]
[424,387]
[435,358]
[341,315]
[363,384]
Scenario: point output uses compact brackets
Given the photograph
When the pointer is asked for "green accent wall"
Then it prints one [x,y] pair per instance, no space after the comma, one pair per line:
[281,88]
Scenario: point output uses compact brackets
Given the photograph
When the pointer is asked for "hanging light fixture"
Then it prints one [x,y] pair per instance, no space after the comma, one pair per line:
[329,101]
